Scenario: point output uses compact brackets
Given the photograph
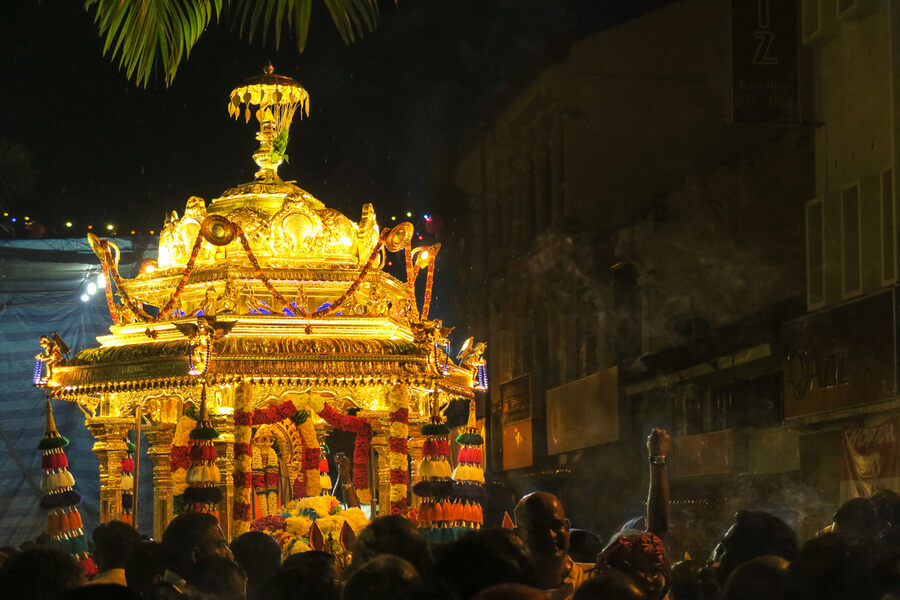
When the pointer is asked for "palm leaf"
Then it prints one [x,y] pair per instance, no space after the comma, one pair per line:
[353,18]
[141,34]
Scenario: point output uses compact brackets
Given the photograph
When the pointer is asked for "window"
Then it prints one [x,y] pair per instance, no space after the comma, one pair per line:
[888,229]
[851,257]
[815,253]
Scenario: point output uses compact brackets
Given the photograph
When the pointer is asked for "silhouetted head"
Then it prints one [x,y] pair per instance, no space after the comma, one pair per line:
[40,573]
[100,591]
[510,591]
[642,558]
[311,574]
[831,568]
[146,567]
[260,556]
[483,559]
[584,545]
[395,535]
[113,544]
[856,520]
[887,508]
[221,577]
[686,580]
[611,585]
[542,524]
[754,533]
[190,537]
[385,577]
[761,577]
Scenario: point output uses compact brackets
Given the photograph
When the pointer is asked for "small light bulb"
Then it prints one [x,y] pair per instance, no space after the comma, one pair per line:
[408,214]
[101,281]
[393,218]
[425,255]
[68,223]
[110,227]
[90,227]
[27,218]
[91,288]
[85,297]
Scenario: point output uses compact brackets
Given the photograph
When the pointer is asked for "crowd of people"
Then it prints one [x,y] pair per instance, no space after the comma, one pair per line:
[857,557]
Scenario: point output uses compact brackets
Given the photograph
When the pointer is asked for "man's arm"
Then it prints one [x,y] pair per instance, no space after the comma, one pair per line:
[658,445]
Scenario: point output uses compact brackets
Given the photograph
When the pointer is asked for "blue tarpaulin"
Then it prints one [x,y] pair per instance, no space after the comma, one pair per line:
[41,285]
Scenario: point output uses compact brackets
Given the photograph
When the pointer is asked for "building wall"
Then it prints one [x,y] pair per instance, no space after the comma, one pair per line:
[618,213]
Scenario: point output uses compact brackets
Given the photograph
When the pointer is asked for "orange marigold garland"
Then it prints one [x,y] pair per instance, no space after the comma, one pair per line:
[435,487]
[203,477]
[64,523]
[469,476]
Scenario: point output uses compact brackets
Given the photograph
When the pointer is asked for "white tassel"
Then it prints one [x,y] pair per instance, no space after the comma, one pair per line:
[127,482]
[66,478]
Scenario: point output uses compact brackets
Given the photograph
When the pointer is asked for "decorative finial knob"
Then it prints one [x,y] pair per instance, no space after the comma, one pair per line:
[269,69]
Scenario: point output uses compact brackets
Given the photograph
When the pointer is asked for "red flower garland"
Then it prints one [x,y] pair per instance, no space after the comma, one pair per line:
[274,414]
[360,447]
[268,523]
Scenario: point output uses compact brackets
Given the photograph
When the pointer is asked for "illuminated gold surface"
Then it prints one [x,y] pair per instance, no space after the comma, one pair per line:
[309,255]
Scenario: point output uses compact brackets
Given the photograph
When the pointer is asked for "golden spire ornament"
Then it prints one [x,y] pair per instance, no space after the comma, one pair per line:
[277,99]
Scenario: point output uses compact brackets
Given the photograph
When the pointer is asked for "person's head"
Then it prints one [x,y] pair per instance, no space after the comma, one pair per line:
[311,574]
[542,524]
[761,577]
[686,580]
[259,554]
[642,558]
[856,520]
[483,559]
[831,568]
[40,574]
[384,577]
[395,535]
[611,585]
[584,545]
[145,567]
[113,544]
[510,591]
[220,576]
[887,508]
[753,533]
[101,591]
[190,537]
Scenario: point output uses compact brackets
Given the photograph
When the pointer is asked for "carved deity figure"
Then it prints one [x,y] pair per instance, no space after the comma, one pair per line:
[367,235]
[266,466]
[208,305]
[53,348]
[227,302]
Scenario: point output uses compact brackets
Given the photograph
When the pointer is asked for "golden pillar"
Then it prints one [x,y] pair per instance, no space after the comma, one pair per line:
[109,446]
[225,461]
[160,437]
[382,450]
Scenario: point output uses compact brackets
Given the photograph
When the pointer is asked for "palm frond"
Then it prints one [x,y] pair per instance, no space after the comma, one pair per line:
[353,18]
[141,34]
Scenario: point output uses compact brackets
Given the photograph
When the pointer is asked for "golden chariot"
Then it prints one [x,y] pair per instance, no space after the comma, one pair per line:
[266,308]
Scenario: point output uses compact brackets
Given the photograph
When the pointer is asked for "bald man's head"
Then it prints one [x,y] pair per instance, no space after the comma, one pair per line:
[541,523]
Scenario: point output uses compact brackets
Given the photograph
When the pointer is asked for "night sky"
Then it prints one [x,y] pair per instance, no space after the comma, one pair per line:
[80,143]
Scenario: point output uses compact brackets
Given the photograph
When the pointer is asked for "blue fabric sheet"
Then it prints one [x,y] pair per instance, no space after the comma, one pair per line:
[41,283]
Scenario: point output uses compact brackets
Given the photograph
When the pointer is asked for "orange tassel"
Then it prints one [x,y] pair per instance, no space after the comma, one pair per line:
[75,520]
[53,524]
[438,512]
[479,514]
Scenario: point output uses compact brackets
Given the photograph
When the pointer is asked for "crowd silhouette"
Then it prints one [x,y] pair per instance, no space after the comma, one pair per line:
[856,557]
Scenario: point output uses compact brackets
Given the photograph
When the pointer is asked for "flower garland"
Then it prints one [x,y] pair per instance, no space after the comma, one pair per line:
[243,451]
[361,446]
[398,444]
[203,493]
[265,480]
[292,527]
[127,484]
[64,524]
[180,460]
